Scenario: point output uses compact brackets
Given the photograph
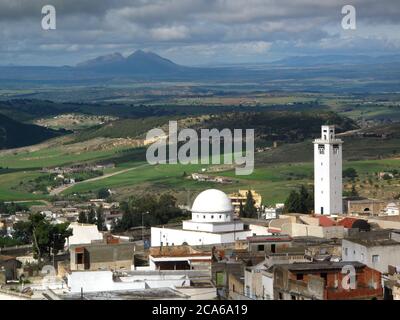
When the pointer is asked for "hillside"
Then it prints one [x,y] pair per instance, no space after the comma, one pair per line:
[269,126]
[14,134]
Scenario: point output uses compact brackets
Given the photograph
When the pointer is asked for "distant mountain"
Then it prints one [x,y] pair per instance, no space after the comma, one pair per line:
[14,134]
[139,62]
[303,61]
[102,60]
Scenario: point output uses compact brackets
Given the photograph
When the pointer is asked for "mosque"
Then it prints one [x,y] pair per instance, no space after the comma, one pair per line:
[212,222]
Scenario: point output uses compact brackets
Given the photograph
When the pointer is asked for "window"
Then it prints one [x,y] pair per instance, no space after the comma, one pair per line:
[79,258]
[362,256]
[212,217]
[220,216]
[346,251]
[299,276]
[280,296]
[293,297]
[375,258]
[335,149]
[260,247]
[321,149]
[204,217]
[324,276]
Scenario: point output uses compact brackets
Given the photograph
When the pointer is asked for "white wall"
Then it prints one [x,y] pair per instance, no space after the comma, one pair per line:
[328,175]
[387,255]
[212,227]
[84,234]
[268,284]
[96,281]
[178,237]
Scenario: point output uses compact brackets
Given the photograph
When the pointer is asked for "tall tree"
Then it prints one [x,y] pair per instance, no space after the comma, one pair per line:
[249,209]
[100,221]
[299,202]
[91,217]
[44,236]
[82,218]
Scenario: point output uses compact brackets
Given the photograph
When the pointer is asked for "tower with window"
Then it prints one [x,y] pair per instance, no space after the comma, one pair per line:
[328,173]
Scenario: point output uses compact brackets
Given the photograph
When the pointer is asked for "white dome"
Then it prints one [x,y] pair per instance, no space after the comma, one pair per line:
[212,201]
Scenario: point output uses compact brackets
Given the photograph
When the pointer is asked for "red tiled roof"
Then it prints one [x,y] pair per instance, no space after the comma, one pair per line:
[325,222]
[347,222]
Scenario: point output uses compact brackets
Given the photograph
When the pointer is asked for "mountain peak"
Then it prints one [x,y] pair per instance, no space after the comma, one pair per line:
[139,62]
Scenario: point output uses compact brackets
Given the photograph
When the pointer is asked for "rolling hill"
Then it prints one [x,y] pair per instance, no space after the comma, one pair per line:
[14,134]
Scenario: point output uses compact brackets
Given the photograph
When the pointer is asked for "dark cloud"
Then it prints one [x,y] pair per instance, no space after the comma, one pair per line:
[248,29]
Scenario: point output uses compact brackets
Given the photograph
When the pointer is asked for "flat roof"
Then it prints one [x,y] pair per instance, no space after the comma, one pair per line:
[375,242]
[271,238]
[314,266]
[148,294]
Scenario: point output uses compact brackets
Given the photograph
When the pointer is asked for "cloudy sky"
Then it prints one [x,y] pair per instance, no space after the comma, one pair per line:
[195,32]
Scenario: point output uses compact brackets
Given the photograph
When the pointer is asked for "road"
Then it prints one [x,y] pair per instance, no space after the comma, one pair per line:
[61,189]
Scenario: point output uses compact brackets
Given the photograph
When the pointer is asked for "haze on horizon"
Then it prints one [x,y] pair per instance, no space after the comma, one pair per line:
[194,32]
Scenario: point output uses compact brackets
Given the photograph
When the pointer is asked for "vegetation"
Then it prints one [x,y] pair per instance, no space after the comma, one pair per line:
[149,210]
[249,210]
[301,201]
[47,238]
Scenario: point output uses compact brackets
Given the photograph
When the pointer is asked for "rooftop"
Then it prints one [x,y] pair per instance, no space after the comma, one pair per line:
[271,238]
[323,265]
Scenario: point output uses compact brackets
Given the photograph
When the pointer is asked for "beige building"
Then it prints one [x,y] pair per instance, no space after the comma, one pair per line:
[367,207]
[103,256]
[240,197]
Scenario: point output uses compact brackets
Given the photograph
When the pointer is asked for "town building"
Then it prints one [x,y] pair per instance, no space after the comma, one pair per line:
[379,251]
[366,207]
[325,281]
[328,173]
[108,255]
[83,233]
[239,198]
[212,222]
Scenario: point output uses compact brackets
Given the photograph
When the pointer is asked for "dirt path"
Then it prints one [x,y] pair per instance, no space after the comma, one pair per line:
[58,190]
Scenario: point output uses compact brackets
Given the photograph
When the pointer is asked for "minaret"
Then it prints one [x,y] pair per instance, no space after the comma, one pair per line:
[328,173]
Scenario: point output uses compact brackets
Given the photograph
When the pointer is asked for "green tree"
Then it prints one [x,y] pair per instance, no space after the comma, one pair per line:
[301,201]
[45,237]
[91,217]
[100,221]
[354,192]
[249,209]
[82,218]
[350,173]
[103,193]
[292,203]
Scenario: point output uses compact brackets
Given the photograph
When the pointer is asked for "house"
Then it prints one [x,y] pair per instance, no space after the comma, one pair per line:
[393,209]
[326,281]
[366,207]
[179,258]
[239,198]
[110,255]
[83,233]
[378,251]
[258,279]
[8,268]
[304,225]
[271,243]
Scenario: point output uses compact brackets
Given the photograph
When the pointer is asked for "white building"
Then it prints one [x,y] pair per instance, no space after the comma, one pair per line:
[84,234]
[328,173]
[392,209]
[212,223]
